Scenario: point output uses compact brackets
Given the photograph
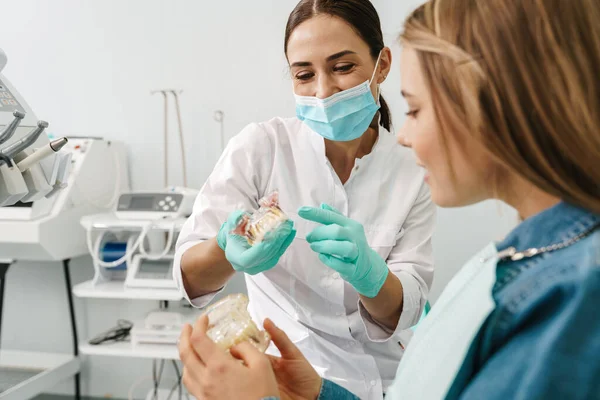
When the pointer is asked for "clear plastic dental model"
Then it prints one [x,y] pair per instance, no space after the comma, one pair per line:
[264,220]
[229,323]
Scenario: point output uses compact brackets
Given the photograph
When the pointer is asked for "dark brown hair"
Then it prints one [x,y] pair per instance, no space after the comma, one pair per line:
[360,15]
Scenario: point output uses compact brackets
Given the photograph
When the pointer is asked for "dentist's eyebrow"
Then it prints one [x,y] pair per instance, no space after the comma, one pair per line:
[339,55]
[328,59]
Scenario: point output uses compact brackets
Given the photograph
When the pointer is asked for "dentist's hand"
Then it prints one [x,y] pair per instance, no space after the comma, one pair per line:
[342,245]
[260,257]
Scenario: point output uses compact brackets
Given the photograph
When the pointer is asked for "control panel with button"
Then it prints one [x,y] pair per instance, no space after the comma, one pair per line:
[172,203]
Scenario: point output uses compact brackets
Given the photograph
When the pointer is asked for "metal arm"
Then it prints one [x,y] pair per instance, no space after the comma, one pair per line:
[5,160]
[17,147]
[11,128]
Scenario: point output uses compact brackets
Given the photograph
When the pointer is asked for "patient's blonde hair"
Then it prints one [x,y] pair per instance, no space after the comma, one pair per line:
[522,77]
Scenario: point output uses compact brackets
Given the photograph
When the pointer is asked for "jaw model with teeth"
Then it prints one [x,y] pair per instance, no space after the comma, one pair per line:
[229,323]
[266,219]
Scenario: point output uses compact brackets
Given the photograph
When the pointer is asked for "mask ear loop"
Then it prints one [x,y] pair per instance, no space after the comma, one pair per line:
[375,70]
[377,100]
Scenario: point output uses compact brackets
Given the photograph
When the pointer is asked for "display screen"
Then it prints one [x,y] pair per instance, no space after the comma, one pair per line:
[142,203]
[8,103]
[155,266]
[155,269]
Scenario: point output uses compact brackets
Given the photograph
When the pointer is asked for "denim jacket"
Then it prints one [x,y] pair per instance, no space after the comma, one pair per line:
[542,341]
[329,391]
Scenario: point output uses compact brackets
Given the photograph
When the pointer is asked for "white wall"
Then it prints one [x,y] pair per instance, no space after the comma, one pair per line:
[88,68]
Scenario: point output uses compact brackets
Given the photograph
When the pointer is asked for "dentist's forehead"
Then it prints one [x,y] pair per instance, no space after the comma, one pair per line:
[321,37]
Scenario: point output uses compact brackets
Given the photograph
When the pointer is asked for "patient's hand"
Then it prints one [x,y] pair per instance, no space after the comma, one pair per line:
[296,378]
[210,373]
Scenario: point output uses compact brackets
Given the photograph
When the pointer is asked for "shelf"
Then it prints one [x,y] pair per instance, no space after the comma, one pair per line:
[125,349]
[34,373]
[117,290]
[110,221]
[166,394]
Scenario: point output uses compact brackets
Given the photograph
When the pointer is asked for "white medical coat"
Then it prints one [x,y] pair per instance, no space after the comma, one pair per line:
[320,312]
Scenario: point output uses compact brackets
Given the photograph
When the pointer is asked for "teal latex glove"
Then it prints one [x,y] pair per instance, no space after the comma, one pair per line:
[258,258]
[342,245]
[227,227]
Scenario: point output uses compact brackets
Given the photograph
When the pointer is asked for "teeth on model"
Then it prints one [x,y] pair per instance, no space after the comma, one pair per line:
[230,324]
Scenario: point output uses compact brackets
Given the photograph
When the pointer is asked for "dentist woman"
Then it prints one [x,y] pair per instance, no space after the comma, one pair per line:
[345,285]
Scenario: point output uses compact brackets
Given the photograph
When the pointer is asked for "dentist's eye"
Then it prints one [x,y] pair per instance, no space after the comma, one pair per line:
[304,76]
[343,67]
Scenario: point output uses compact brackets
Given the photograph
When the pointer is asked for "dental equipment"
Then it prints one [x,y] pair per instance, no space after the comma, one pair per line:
[16,139]
[175,94]
[20,145]
[95,172]
[41,203]
[138,218]
[42,153]
[11,128]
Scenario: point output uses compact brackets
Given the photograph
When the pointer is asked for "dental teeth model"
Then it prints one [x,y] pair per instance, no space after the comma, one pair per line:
[229,323]
[264,220]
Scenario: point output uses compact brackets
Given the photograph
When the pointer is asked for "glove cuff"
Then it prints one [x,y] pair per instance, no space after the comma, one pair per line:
[372,283]
[222,236]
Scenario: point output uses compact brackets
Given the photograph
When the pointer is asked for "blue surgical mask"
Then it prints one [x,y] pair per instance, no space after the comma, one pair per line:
[343,116]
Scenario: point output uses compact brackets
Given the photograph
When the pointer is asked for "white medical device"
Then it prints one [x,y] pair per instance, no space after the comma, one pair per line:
[161,327]
[144,225]
[172,203]
[49,228]
[40,154]
[44,192]
[20,134]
